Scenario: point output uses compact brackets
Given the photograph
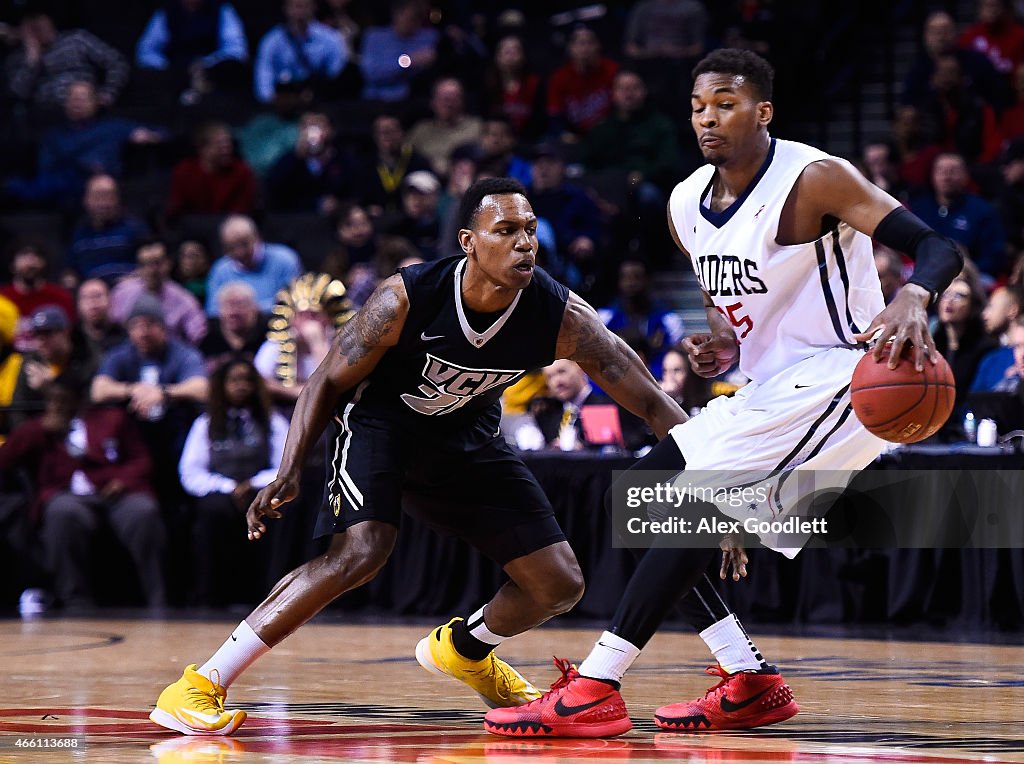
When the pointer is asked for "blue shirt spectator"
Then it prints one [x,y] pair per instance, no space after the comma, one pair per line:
[265,267]
[176,37]
[103,245]
[176,361]
[995,372]
[391,59]
[953,211]
[300,50]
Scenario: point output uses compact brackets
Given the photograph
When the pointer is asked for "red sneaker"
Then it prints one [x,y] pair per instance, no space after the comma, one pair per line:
[740,701]
[575,707]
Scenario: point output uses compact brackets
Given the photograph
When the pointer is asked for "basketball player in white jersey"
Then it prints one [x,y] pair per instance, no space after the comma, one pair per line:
[779,235]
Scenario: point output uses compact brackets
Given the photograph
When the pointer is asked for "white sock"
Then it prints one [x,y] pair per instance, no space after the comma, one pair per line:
[731,645]
[476,626]
[238,652]
[610,659]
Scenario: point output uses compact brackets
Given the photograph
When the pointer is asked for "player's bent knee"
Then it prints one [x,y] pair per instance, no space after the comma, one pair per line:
[563,591]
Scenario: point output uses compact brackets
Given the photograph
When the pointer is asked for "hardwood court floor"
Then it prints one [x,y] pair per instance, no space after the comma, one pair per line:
[354,693]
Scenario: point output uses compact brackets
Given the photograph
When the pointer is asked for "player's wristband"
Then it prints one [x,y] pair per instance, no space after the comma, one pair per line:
[937,261]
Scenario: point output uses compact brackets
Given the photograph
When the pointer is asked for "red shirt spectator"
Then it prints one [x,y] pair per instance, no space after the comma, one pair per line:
[29,291]
[996,34]
[580,91]
[215,181]
[113,451]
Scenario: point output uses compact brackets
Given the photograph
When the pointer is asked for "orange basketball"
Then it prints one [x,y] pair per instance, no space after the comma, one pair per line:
[902,405]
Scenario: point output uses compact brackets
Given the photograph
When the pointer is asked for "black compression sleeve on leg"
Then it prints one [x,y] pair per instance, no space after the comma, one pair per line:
[937,261]
[704,606]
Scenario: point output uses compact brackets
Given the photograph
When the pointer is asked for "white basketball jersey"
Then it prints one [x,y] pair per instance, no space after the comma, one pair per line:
[786,303]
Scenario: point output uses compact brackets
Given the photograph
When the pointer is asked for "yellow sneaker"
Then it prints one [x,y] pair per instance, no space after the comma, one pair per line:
[194,705]
[497,683]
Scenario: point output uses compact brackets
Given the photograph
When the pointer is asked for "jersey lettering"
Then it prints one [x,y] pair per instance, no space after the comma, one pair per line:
[450,387]
[729,276]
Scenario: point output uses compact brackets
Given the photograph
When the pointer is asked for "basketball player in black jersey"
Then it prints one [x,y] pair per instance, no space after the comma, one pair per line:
[412,388]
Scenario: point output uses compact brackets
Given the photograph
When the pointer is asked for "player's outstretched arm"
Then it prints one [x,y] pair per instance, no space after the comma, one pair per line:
[614,366]
[835,188]
[356,351]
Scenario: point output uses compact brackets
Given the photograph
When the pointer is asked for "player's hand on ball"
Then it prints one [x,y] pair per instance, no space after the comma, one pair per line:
[711,354]
[904,320]
[268,502]
[733,556]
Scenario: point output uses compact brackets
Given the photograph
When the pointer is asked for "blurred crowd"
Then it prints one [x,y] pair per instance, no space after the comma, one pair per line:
[195,194]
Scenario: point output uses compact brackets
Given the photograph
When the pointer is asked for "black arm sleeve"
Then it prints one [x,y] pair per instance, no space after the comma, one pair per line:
[937,261]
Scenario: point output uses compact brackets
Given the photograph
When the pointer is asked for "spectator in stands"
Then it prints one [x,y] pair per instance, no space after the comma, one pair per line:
[690,391]
[239,329]
[395,57]
[1016,341]
[380,178]
[450,126]
[634,141]
[418,219]
[301,52]
[264,266]
[200,44]
[42,70]
[939,39]
[880,167]
[997,34]
[160,380]
[313,176]
[53,355]
[513,91]
[104,243]
[10,361]
[498,155]
[300,335]
[192,268]
[964,123]
[95,331]
[269,135]
[215,181]
[232,451]
[953,211]
[29,291]
[573,215]
[960,334]
[85,145]
[889,265]
[562,423]
[580,91]
[1004,306]
[638,318]
[915,148]
[183,316]
[666,29]
[1011,192]
[90,469]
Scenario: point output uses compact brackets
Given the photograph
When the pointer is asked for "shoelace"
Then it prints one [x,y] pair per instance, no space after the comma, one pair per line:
[569,672]
[718,671]
[212,700]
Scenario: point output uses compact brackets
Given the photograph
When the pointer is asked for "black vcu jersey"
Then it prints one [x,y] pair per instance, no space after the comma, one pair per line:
[422,430]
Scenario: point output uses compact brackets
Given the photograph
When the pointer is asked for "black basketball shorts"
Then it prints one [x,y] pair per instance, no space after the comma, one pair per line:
[486,496]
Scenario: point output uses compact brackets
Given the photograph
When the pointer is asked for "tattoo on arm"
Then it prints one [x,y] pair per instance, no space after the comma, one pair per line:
[599,349]
[370,325]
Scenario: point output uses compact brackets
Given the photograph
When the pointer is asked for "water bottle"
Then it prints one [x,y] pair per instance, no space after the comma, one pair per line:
[150,374]
[970,427]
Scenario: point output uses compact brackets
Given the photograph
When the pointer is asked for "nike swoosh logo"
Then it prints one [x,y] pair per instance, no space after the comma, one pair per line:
[425,338]
[234,638]
[801,387]
[728,706]
[207,720]
[616,649]
[563,710]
